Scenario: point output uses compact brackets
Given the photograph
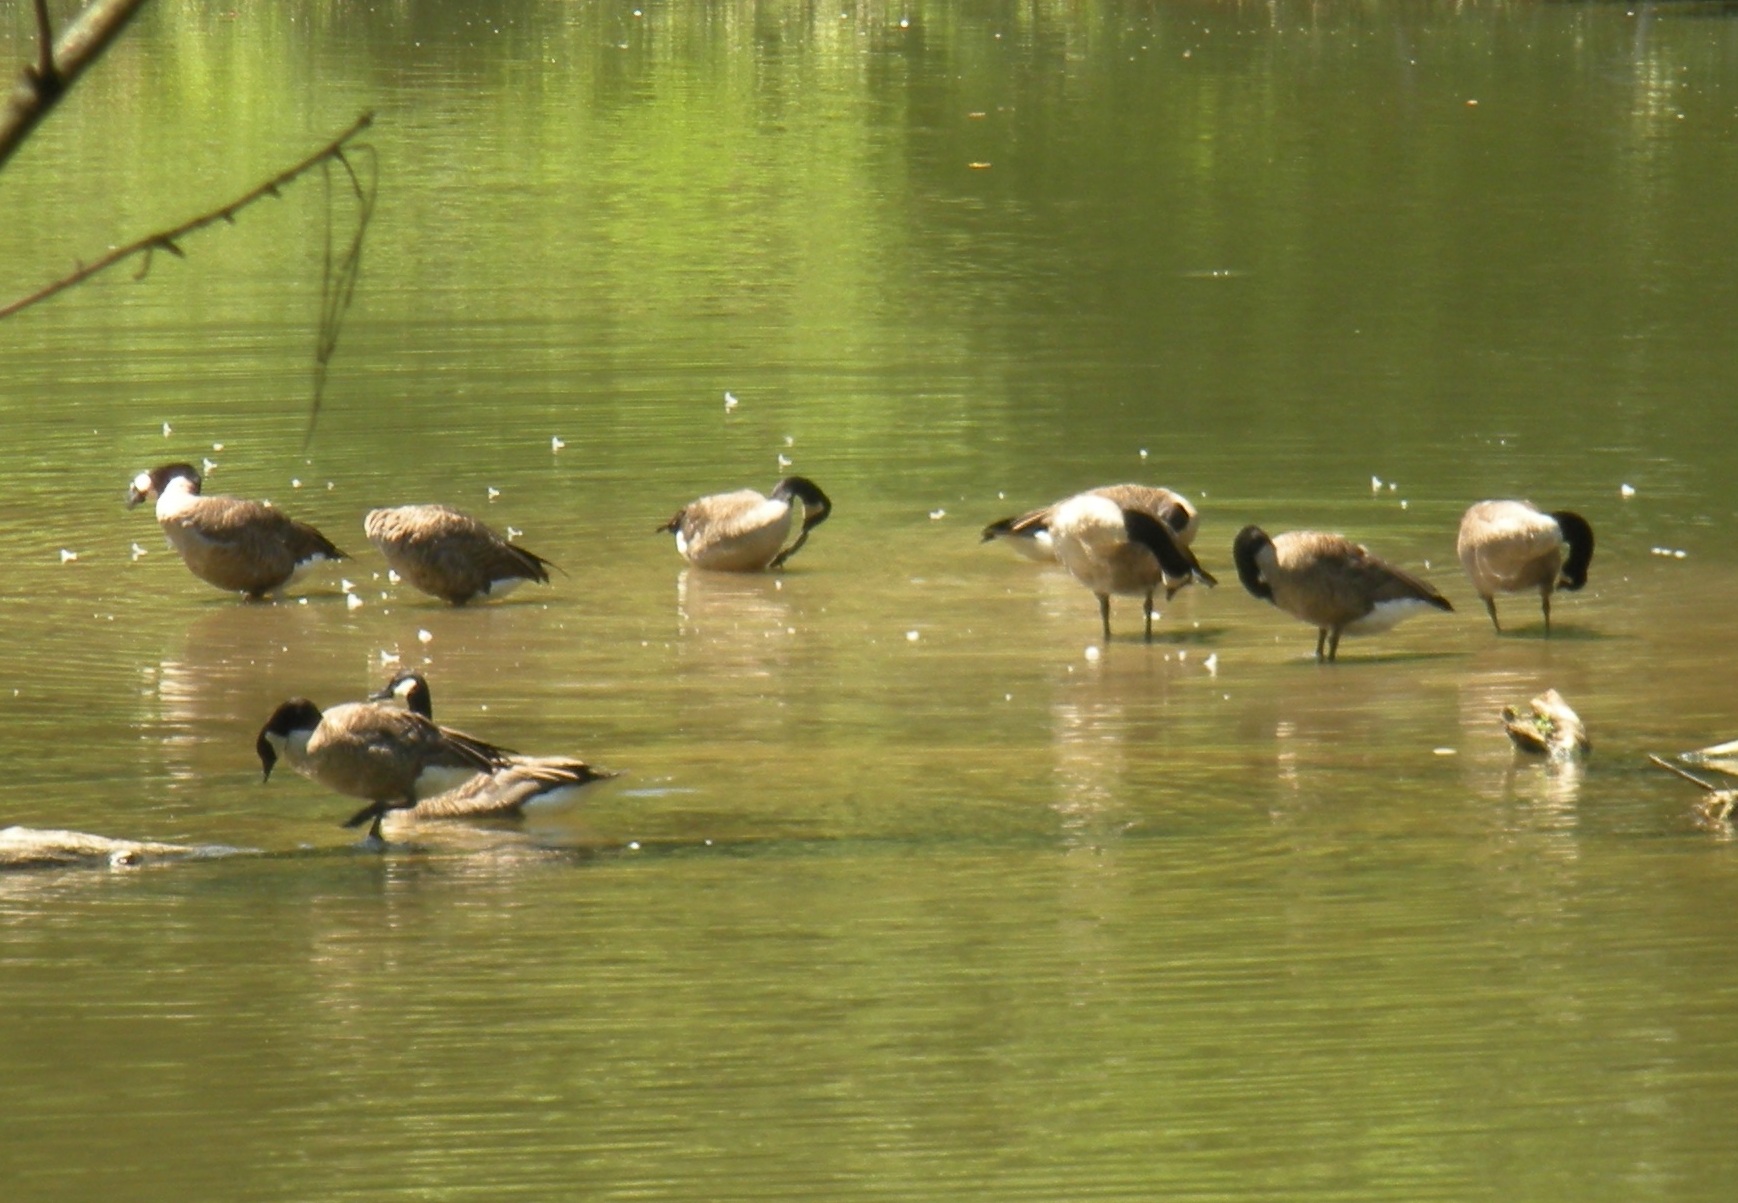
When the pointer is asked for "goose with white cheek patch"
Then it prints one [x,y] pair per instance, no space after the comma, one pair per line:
[1112,549]
[745,531]
[448,554]
[1511,547]
[247,547]
[1328,581]
[523,783]
[385,755]
[1029,533]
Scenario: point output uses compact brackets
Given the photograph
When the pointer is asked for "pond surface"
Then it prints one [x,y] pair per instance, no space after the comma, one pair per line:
[904,894]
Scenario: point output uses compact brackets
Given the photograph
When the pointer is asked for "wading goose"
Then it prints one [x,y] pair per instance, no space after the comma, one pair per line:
[1029,533]
[1510,547]
[522,783]
[389,756]
[241,546]
[743,531]
[449,554]
[1330,582]
[1110,549]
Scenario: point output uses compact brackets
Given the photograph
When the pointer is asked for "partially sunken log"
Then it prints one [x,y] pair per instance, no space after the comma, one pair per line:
[1552,729]
[36,848]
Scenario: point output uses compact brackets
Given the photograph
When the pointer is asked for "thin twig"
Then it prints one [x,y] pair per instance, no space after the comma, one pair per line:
[166,240]
[1669,767]
[338,287]
[45,72]
[58,65]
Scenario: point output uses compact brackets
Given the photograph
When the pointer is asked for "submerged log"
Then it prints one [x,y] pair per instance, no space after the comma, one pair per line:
[1552,729]
[40,848]
[1716,805]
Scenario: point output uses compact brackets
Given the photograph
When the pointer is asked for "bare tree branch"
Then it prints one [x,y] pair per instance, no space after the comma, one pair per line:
[168,240]
[59,65]
[45,69]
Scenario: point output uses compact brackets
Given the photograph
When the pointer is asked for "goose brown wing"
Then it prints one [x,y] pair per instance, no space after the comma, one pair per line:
[447,552]
[246,546]
[729,515]
[1384,582]
[507,790]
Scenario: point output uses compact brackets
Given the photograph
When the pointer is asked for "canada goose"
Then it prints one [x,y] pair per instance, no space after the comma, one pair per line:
[1029,533]
[389,756]
[1110,549]
[522,782]
[241,546]
[1508,547]
[743,531]
[1333,584]
[449,554]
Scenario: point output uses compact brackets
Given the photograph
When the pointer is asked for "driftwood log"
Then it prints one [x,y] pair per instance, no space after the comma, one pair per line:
[41,848]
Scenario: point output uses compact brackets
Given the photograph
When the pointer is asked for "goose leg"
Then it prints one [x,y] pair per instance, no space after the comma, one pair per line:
[1491,605]
[1321,642]
[1545,604]
[1149,610]
[1333,644]
[1104,613]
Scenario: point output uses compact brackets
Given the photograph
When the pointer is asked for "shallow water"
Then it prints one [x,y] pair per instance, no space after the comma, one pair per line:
[902,894]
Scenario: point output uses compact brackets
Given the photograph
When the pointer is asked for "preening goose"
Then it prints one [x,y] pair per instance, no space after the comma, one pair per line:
[391,757]
[448,554]
[744,531]
[1112,549]
[1029,533]
[1510,547]
[1328,581]
[240,546]
[522,783]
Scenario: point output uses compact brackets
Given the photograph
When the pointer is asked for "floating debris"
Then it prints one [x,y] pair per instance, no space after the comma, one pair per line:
[556,443]
[1715,809]
[425,636]
[1722,758]
[352,602]
[68,557]
[937,515]
[1553,729]
[1626,491]
[139,551]
[1669,553]
[42,848]
[730,402]
[167,430]
[493,492]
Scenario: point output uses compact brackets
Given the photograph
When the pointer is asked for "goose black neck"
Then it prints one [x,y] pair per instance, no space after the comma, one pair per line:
[1578,534]
[1248,544]
[816,505]
[1176,560]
